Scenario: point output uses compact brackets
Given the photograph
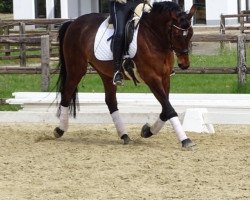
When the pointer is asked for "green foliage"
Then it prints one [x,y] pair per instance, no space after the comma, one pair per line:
[6,6]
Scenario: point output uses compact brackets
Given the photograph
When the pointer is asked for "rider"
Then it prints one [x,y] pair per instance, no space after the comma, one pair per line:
[120,11]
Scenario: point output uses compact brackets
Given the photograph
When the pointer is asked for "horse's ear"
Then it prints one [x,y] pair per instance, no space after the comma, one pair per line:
[192,11]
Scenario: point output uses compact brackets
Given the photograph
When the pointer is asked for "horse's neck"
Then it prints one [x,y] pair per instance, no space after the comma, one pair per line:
[155,29]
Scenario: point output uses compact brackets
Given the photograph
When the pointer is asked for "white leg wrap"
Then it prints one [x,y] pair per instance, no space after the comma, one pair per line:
[176,124]
[64,118]
[157,126]
[119,125]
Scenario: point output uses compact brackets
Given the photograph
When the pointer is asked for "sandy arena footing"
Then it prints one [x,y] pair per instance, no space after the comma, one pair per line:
[90,162]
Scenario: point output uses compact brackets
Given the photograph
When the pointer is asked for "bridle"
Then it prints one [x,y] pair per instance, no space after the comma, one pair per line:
[185,33]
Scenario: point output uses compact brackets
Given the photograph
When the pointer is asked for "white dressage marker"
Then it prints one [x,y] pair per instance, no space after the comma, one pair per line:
[194,121]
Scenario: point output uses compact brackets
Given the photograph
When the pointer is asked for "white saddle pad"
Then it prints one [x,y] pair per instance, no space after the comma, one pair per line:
[102,45]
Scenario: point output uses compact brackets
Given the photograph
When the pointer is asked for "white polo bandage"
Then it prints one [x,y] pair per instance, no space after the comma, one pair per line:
[157,126]
[64,118]
[118,122]
[176,124]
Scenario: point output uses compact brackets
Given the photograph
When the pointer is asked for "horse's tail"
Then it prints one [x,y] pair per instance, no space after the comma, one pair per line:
[63,72]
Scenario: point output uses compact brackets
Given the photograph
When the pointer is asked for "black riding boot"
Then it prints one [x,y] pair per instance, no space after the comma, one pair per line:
[117,56]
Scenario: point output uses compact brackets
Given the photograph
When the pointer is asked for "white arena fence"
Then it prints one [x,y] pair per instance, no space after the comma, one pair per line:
[197,112]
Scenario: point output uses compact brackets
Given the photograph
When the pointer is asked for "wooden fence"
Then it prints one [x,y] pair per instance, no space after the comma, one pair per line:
[44,45]
[243,18]
[18,28]
[44,42]
[48,25]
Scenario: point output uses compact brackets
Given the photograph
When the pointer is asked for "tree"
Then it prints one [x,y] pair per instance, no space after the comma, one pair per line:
[6,6]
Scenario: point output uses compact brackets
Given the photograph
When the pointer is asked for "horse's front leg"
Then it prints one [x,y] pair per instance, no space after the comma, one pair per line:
[168,113]
[111,101]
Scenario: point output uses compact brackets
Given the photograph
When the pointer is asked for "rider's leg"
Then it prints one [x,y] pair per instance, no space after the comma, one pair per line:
[119,15]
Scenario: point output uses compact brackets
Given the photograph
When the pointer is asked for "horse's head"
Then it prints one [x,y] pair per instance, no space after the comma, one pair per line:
[180,32]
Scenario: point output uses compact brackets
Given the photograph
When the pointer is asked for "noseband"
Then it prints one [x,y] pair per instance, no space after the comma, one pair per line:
[185,33]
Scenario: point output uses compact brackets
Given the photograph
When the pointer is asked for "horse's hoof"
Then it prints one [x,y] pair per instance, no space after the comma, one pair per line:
[126,139]
[187,144]
[58,132]
[145,131]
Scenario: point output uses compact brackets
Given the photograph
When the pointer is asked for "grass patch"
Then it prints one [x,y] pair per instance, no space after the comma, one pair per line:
[224,58]
[206,83]
[180,83]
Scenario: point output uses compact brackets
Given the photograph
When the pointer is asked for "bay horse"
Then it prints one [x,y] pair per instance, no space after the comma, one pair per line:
[163,31]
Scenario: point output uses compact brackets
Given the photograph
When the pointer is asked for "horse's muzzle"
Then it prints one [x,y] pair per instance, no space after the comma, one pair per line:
[183,61]
[183,67]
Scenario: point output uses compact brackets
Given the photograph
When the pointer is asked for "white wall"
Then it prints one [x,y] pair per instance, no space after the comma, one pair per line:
[24,9]
[88,6]
[95,5]
[64,9]
[72,9]
[214,11]
[50,14]
[188,4]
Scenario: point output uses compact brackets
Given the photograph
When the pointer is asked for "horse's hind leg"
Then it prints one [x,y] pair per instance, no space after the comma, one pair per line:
[68,94]
[111,101]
